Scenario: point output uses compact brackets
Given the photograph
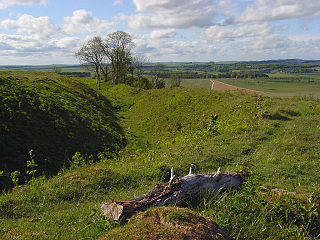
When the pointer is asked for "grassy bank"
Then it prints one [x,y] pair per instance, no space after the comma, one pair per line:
[55,117]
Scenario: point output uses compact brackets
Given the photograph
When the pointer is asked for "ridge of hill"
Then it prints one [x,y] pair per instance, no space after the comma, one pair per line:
[55,117]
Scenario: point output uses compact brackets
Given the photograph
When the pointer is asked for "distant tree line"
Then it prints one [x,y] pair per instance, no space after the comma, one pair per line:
[259,66]
[241,75]
[201,75]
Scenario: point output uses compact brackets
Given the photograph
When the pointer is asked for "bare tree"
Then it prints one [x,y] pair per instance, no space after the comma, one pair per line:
[91,53]
[156,73]
[117,47]
[139,67]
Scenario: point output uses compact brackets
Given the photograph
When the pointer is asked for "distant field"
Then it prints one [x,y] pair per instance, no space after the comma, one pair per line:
[271,87]
[279,87]
[196,83]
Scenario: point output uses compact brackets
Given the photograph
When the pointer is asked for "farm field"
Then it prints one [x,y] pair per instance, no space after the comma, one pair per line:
[279,87]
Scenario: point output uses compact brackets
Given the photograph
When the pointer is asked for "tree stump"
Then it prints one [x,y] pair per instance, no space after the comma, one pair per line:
[175,192]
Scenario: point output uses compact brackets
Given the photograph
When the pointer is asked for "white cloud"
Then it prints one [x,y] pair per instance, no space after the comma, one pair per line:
[40,27]
[272,10]
[273,42]
[164,49]
[166,33]
[118,2]
[82,21]
[30,46]
[67,42]
[21,45]
[173,14]
[6,3]
[225,34]
[270,47]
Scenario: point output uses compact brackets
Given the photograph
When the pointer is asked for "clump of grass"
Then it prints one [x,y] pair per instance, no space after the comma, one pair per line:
[253,214]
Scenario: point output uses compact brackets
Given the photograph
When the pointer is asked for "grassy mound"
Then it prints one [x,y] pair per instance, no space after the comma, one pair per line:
[168,223]
[56,117]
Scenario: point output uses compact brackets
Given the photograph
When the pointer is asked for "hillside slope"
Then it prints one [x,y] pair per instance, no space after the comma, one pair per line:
[55,117]
[274,142]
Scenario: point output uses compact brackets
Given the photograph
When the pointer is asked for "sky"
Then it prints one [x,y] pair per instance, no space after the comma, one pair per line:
[40,32]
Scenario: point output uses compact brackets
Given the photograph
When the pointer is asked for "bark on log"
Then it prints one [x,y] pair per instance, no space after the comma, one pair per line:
[175,192]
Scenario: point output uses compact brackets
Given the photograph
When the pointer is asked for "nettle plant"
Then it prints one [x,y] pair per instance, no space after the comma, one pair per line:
[78,160]
[31,164]
[15,178]
[212,128]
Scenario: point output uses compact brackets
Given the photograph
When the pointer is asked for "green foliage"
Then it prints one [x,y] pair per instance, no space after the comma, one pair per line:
[212,128]
[31,164]
[78,160]
[15,178]
[159,84]
[175,82]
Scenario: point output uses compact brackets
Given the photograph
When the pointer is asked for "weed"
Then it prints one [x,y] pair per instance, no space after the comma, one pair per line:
[15,178]
[31,165]
[78,160]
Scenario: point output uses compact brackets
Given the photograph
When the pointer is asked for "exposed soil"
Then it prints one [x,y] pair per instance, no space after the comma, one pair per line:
[169,223]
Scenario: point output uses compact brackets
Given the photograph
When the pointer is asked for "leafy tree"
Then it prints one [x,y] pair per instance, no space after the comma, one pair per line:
[117,48]
[91,53]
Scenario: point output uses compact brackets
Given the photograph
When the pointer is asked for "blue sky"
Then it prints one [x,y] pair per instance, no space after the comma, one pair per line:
[51,31]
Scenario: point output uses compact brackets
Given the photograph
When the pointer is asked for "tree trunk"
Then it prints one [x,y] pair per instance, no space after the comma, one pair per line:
[98,76]
[175,192]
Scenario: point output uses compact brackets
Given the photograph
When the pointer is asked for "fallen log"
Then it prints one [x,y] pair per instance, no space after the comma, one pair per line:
[175,192]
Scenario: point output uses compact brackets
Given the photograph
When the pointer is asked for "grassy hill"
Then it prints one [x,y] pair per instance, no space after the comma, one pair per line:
[274,142]
[55,117]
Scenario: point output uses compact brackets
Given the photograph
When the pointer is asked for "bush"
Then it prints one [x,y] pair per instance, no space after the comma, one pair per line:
[175,82]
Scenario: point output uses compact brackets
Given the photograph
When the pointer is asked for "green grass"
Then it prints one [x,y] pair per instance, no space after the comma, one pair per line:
[276,141]
[56,117]
[196,83]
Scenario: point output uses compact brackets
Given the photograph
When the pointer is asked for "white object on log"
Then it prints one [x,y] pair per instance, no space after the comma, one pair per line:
[172,174]
[175,192]
[191,170]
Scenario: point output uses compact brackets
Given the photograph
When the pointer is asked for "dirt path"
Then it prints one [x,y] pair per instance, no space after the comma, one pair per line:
[220,86]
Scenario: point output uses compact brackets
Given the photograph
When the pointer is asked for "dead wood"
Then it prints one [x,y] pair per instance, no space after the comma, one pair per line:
[175,192]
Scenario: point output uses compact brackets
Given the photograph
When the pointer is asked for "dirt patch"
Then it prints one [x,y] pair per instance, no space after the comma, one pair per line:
[169,223]
[220,86]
